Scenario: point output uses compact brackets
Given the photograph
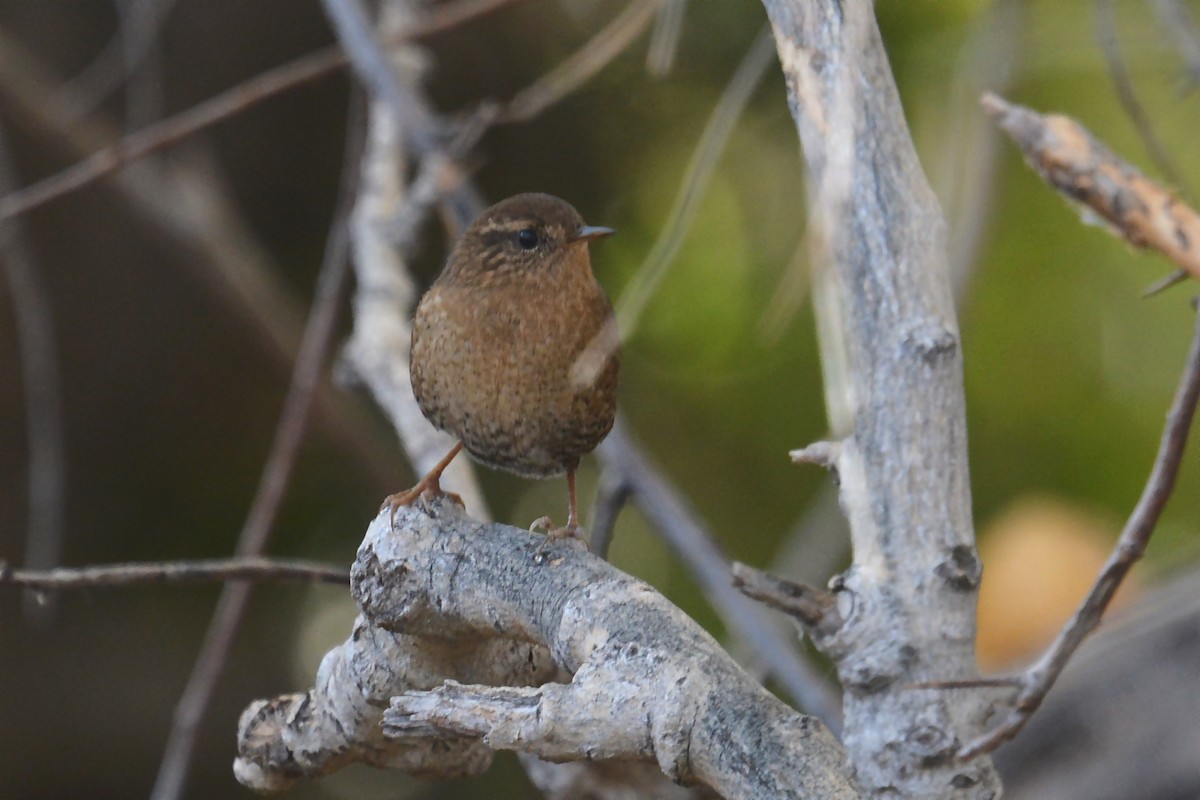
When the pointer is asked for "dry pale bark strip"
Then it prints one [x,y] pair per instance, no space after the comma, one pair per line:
[1075,163]
[908,600]
[385,295]
[648,683]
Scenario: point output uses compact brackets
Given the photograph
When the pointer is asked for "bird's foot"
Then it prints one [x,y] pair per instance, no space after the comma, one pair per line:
[425,491]
[569,531]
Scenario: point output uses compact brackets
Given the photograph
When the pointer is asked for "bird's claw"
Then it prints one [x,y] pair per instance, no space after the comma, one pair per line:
[419,493]
[547,526]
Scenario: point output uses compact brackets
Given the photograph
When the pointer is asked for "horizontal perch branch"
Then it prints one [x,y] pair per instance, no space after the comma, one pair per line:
[648,683]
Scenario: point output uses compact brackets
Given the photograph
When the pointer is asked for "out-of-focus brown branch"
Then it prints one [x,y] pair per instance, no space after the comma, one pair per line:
[225,105]
[250,568]
[310,364]
[1080,167]
[1036,682]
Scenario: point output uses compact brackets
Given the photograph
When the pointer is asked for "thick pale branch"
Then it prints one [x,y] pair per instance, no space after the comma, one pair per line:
[683,530]
[648,683]
[880,242]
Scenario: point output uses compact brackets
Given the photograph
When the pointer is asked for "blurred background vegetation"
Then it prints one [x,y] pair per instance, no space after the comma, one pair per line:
[170,389]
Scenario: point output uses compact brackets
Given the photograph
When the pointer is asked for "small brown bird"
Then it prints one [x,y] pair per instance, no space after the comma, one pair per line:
[514,347]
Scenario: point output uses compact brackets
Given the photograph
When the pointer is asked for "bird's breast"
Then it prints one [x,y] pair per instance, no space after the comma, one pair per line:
[498,368]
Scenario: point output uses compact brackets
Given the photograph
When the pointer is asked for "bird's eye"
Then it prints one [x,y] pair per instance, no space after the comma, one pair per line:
[527,238]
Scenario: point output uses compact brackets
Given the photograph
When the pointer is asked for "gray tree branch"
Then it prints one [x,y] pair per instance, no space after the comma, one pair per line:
[648,683]
[908,600]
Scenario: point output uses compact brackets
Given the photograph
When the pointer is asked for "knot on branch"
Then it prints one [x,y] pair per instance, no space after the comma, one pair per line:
[961,569]
[930,340]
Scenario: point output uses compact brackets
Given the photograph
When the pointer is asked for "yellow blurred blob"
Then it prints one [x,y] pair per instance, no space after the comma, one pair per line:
[1040,557]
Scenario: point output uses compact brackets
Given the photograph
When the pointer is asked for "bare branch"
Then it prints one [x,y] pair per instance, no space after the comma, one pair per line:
[815,608]
[879,241]
[664,41]
[695,180]
[42,396]
[1037,681]
[227,104]
[1178,23]
[246,568]
[1076,164]
[680,526]
[648,684]
[819,454]
[375,71]
[612,494]
[568,76]
[1110,46]
[378,349]
[256,530]
[1121,723]
[140,23]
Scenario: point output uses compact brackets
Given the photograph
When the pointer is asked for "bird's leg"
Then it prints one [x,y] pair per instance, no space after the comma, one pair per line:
[572,530]
[429,485]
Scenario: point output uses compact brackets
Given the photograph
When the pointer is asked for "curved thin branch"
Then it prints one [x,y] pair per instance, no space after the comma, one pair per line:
[1037,681]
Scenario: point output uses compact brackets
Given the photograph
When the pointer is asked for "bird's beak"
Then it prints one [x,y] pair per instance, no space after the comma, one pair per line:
[586,233]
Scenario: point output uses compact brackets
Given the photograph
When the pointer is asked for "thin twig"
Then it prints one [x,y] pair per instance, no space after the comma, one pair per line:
[42,396]
[1039,678]
[142,53]
[247,568]
[612,494]
[289,433]
[141,21]
[568,76]
[375,70]
[695,180]
[1110,46]
[664,40]
[233,101]
[679,525]
[1076,164]
[1177,21]
[812,607]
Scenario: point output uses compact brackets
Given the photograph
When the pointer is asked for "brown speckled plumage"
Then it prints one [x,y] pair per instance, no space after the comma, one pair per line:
[498,337]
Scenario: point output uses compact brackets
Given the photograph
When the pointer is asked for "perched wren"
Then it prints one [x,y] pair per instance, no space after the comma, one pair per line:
[514,346]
